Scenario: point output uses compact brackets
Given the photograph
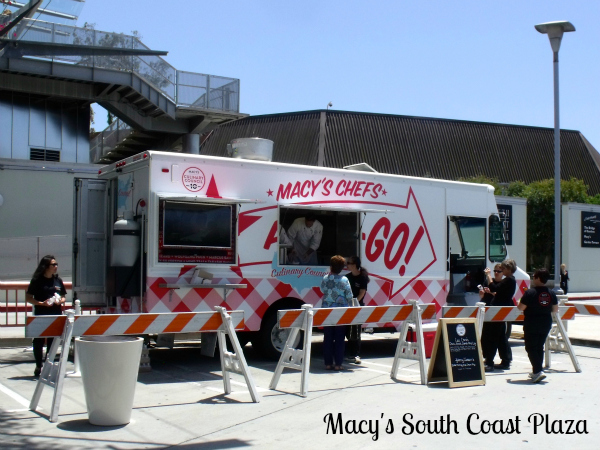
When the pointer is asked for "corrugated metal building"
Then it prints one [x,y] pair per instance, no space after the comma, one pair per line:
[416,146]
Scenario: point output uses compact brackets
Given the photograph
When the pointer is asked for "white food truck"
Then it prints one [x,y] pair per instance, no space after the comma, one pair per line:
[154,228]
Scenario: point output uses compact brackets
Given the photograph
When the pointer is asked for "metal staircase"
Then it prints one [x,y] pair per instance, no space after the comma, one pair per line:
[157,105]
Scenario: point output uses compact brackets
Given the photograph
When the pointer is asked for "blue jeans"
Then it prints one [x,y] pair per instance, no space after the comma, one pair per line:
[333,345]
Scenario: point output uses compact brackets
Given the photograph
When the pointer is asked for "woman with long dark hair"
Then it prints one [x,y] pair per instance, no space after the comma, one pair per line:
[358,278]
[46,292]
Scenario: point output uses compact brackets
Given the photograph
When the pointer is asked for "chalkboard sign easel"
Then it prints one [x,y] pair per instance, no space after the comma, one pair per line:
[456,356]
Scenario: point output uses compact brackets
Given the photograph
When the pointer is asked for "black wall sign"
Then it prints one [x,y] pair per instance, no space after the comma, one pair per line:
[590,229]
[456,354]
[505,213]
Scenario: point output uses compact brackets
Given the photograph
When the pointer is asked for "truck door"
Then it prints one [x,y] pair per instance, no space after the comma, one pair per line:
[466,258]
[89,241]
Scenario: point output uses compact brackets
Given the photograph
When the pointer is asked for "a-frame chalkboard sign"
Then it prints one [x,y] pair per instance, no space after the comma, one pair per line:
[456,356]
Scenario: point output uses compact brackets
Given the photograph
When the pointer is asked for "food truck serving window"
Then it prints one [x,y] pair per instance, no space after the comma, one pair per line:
[196,232]
[331,232]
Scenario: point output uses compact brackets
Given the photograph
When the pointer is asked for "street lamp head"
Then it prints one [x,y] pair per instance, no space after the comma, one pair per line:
[555,31]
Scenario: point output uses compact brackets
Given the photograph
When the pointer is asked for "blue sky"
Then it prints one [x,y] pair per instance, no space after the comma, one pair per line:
[462,59]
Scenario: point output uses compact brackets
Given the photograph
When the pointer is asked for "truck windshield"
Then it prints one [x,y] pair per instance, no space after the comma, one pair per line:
[497,242]
[468,236]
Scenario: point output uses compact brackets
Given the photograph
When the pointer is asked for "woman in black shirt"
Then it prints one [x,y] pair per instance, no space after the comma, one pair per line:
[498,339]
[46,292]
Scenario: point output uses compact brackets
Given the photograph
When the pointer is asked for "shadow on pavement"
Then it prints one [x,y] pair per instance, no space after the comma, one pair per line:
[222,399]
[216,445]
[84,426]
[524,381]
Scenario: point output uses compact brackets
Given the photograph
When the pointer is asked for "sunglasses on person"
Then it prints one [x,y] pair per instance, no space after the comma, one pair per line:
[54,264]
[497,271]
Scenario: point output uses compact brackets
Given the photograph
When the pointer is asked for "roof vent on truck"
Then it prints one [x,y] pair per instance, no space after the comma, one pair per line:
[254,148]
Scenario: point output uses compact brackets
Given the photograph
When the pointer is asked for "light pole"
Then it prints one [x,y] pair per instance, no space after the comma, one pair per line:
[555,31]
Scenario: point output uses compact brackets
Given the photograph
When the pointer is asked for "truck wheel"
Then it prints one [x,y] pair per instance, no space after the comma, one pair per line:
[271,339]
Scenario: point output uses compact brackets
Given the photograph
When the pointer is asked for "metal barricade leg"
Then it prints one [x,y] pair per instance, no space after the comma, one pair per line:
[400,348]
[307,348]
[53,374]
[411,350]
[233,362]
[285,356]
[222,350]
[298,359]
[420,339]
[480,316]
[45,374]
[76,371]
[567,341]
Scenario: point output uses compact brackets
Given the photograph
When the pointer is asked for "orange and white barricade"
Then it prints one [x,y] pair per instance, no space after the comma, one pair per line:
[466,312]
[585,308]
[53,373]
[308,317]
[513,314]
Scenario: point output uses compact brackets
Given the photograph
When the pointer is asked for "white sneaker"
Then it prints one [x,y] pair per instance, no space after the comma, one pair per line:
[537,377]
[357,360]
[530,375]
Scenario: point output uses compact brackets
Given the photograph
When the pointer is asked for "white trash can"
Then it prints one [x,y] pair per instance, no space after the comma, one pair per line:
[109,368]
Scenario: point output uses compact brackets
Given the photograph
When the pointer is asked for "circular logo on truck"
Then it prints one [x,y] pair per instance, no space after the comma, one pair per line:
[193,179]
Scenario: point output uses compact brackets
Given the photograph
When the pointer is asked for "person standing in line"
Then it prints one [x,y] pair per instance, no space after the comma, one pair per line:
[537,304]
[564,278]
[305,234]
[336,293]
[491,282]
[503,296]
[487,339]
[46,292]
[358,278]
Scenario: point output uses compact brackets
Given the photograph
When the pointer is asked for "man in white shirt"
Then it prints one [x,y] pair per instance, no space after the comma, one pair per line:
[305,233]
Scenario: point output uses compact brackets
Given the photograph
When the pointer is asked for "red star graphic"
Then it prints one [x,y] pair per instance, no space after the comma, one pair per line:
[384,192]
[270,193]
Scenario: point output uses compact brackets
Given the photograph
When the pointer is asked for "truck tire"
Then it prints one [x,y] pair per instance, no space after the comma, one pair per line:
[270,340]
